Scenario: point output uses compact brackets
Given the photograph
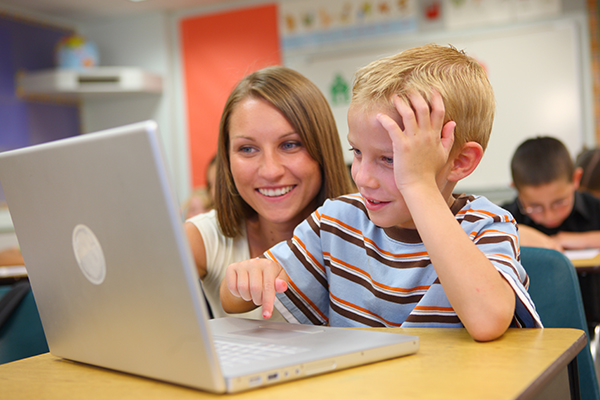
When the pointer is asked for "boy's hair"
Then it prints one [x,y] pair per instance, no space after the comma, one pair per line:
[539,161]
[460,79]
[302,103]
[589,161]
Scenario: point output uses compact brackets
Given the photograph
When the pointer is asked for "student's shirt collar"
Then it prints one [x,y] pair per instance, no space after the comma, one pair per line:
[412,235]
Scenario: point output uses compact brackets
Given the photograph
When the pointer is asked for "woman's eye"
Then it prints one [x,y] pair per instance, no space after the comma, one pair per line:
[291,145]
[355,151]
[246,149]
[388,160]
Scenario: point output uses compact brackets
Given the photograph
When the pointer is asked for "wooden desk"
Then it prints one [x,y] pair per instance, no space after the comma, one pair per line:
[448,365]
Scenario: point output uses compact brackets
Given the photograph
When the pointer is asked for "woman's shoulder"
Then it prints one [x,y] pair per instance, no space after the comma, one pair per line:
[208,225]
[209,218]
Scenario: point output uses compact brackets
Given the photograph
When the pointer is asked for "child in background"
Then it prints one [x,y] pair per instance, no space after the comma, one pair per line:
[404,251]
[549,209]
[202,200]
[589,162]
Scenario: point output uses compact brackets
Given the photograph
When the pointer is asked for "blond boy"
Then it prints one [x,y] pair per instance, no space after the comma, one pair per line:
[404,251]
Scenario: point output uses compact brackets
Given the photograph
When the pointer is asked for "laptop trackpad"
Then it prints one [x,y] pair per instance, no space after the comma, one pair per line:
[276,331]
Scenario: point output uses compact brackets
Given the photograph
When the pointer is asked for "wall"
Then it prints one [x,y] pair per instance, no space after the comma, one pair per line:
[539,66]
[560,54]
[28,45]
[152,41]
[142,41]
[538,78]
[216,56]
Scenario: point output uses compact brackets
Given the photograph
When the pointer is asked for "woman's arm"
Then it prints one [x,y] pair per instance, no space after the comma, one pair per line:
[252,283]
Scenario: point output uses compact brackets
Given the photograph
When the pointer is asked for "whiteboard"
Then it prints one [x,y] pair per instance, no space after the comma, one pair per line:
[535,70]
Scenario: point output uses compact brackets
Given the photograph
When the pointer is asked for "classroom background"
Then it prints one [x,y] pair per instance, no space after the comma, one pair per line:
[176,64]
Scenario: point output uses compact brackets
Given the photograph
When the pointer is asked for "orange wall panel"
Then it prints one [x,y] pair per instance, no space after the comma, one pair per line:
[219,50]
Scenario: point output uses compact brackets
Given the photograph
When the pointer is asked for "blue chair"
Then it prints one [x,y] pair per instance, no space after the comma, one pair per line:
[555,291]
[21,332]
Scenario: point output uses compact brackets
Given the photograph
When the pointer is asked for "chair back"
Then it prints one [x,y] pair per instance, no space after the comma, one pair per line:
[21,332]
[555,290]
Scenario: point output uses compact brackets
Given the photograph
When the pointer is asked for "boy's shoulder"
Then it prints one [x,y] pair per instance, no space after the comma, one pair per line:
[464,204]
[588,200]
[471,207]
[344,205]
[586,206]
[352,199]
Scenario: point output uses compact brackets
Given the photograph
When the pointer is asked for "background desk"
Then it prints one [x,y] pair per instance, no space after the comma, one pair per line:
[448,365]
[587,264]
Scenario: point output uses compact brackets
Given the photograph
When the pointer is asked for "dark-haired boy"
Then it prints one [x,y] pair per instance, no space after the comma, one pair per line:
[549,209]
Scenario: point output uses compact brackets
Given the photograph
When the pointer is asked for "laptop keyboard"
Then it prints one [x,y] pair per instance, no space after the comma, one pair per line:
[232,353]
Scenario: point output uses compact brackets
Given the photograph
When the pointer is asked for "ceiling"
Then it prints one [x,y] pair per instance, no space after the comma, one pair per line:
[91,9]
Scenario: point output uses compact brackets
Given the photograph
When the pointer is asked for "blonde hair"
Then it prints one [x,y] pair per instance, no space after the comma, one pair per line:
[306,109]
[462,82]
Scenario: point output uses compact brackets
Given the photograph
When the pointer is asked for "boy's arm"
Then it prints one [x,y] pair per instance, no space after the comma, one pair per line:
[482,299]
[529,236]
[577,240]
[252,283]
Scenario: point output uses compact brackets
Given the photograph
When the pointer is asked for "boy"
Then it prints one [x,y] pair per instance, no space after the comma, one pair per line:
[404,251]
[549,209]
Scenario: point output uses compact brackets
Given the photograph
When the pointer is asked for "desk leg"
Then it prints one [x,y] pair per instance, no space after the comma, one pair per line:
[574,380]
[565,385]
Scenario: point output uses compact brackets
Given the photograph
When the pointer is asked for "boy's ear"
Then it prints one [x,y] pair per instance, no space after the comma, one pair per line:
[465,161]
[577,175]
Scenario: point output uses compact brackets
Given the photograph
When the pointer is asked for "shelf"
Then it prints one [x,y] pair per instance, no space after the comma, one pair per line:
[75,83]
[6,224]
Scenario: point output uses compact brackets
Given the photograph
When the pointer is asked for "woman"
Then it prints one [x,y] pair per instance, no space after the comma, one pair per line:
[278,158]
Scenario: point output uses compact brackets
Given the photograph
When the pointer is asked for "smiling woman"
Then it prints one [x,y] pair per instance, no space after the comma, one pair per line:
[271,168]
[278,158]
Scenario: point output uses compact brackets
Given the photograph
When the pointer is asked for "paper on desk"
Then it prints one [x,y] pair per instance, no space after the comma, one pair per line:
[582,254]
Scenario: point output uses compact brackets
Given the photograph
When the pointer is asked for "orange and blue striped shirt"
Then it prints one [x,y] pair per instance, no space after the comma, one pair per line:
[346,271]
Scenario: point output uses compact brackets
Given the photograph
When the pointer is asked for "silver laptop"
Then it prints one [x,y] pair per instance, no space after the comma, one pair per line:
[115,282]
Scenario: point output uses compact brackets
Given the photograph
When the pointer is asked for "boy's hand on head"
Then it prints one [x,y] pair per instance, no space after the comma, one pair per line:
[422,148]
[257,280]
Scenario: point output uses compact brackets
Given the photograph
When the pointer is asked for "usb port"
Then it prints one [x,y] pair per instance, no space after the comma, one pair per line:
[255,380]
[272,377]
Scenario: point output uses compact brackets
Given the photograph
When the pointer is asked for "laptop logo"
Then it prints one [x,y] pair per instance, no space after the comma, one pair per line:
[88,254]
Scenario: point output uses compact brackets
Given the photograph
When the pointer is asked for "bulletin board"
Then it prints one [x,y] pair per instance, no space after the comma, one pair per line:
[537,71]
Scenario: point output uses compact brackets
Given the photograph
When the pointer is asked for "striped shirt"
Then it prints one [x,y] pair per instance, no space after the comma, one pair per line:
[346,271]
